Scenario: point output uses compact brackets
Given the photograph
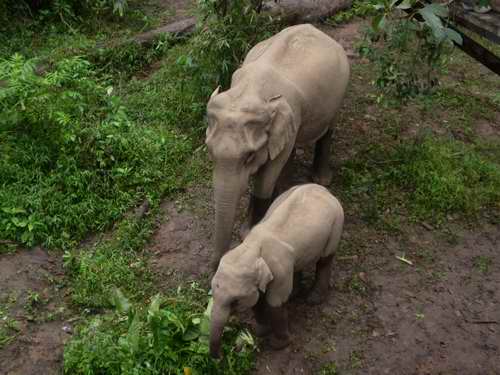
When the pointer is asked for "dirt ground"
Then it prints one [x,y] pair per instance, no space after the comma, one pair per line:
[438,314]
[32,289]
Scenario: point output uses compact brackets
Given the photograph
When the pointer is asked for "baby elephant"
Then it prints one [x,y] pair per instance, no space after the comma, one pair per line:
[302,226]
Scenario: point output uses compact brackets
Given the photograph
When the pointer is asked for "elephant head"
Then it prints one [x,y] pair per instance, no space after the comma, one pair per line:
[235,287]
[244,132]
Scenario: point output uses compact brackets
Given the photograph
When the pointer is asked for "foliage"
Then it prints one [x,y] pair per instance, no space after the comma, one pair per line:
[63,10]
[112,263]
[130,57]
[222,41]
[436,177]
[360,8]
[329,369]
[410,49]
[169,336]
[71,159]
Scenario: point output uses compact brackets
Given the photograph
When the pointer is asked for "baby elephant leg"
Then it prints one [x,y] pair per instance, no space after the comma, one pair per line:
[322,280]
[279,323]
[322,173]
[261,314]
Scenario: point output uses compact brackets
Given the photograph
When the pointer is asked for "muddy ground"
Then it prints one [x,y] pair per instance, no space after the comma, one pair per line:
[435,313]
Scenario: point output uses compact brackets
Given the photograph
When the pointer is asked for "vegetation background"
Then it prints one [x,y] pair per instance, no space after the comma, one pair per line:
[96,131]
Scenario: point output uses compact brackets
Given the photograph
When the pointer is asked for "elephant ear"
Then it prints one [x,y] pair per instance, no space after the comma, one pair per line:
[264,275]
[215,93]
[283,127]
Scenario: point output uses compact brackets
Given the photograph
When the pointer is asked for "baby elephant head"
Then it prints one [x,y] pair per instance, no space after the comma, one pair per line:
[244,132]
[235,287]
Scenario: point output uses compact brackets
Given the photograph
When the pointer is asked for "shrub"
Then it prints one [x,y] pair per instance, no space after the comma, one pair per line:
[411,50]
[61,9]
[71,159]
[170,336]
[222,42]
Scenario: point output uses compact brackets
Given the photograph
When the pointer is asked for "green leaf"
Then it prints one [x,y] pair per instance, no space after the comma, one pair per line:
[433,21]
[191,333]
[134,334]
[154,306]
[438,9]
[406,4]
[453,35]
[119,301]
[13,210]
[19,222]
[378,22]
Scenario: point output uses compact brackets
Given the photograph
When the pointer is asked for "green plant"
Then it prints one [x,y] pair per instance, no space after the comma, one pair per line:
[329,369]
[359,8]
[483,263]
[8,326]
[410,49]
[169,336]
[63,10]
[129,57]
[72,160]
[430,177]
[112,263]
[222,41]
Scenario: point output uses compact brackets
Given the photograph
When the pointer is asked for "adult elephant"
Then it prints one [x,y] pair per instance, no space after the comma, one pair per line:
[286,92]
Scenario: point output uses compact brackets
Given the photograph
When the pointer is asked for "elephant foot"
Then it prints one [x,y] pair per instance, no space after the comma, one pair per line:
[262,330]
[323,177]
[278,343]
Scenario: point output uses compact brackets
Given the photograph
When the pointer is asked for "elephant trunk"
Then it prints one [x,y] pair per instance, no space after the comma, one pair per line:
[228,188]
[219,317]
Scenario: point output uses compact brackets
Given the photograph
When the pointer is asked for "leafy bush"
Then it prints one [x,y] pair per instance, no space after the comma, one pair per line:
[410,51]
[71,159]
[435,177]
[360,8]
[64,10]
[222,42]
[170,336]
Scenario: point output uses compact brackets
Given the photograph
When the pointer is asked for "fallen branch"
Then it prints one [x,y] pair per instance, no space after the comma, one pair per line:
[288,12]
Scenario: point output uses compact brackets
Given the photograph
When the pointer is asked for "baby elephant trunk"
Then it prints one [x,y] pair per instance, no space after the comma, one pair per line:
[220,315]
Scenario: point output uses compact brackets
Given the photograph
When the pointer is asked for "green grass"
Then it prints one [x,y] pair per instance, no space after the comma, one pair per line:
[8,325]
[329,369]
[115,262]
[431,178]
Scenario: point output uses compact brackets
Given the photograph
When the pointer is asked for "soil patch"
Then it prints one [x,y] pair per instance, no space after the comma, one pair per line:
[31,298]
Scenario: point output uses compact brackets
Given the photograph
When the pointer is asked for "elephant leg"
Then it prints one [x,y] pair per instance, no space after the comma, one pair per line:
[258,208]
[297,282]
[262,317]
[322,173]
[265,183]
[286,176]
[322,280]
[279,323]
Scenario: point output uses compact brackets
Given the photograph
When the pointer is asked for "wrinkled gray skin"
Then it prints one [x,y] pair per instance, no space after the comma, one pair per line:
[303,226]
[286,93]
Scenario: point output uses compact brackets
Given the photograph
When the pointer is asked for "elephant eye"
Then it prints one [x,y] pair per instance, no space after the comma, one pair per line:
[250,157]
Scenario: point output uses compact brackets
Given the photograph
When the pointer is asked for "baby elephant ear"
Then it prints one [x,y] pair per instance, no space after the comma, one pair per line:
[283,127]
[264,275]
[216,92]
